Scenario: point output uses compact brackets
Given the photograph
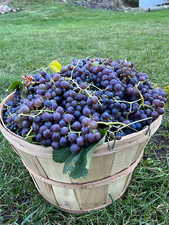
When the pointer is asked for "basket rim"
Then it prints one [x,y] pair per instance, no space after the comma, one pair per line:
[49,149]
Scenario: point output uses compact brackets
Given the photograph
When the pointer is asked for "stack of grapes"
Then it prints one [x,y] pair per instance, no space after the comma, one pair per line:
[73,107]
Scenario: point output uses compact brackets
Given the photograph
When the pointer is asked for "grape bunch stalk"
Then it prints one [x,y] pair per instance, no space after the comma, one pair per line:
[71,108]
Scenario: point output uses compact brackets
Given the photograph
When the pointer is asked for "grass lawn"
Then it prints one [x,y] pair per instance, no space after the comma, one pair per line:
[44,31]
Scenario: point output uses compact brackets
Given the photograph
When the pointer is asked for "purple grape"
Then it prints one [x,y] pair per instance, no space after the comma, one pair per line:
[130,91]
[24,109]
[37,77]
[77,114]
[97,136]
[69,99]
[64,131]
[74,103]
[55,145]
[55,136]
[70,110]
[24,131]
[92,124]
[46,116]
[47,103]
[62,123]
[86,111]
[126,121]
[48,124]
[83,85]
[46,133]
[35,127]
[154,114]
[161,111]
[42,128]
[64,84]
[43,73]
[46,142]
[38,137]
[148,112]
[48,95]
[56,116]
[63,141]
[56,76]
[85,130]
[60,110]
[38,102]
[58,91]
[72,137]
[74,148]
[76,125]
[68,118]
[42,80]
[78,108]
[80,141]
[156,102]
[85,121]
[105,115]
[117,87]
[25,123]
[40,92]
[42,86]
[91,137]
[55,127]
[123,106]
[37,119]
[94,99]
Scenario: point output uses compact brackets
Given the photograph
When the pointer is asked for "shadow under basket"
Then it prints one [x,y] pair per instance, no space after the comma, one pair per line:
[108,178]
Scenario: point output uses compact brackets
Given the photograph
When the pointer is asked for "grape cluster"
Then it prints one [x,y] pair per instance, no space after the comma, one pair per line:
[72,107]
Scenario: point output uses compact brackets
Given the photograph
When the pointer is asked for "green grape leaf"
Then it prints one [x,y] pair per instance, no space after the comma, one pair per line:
[61,155]
[15,85]
[70,163]
[103,131]
[77,165]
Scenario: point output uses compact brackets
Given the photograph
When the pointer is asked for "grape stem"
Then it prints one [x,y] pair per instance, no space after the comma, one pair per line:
[123,124]
[141,96]
[148,106]
[39,112]
[27,135]
[74,68]
[96,87]
[42,68]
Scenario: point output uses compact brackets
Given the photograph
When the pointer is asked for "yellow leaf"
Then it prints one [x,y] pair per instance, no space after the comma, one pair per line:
[55,66]
[167,89]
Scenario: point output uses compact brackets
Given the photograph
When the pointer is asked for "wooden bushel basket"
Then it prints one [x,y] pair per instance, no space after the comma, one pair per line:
[108,177]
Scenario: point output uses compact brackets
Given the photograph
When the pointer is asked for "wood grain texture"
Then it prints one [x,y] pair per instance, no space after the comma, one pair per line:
[66,198]
[45,190]
[116,187]
[91,198]
[32,162]
[128,154]
[100,168]
[54,170]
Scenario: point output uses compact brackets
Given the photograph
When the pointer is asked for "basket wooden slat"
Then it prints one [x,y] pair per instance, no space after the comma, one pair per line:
[108,177]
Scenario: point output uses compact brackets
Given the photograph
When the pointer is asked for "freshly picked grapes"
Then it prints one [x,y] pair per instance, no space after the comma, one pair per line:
[73,107]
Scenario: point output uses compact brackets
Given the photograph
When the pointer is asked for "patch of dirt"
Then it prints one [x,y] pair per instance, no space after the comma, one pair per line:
[105,4]
[161,140]
[162,153]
